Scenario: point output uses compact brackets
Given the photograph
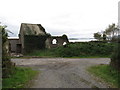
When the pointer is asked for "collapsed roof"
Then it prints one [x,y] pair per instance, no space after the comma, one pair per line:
[32,29]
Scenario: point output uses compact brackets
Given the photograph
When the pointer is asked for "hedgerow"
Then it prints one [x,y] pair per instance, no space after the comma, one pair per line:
[85,49]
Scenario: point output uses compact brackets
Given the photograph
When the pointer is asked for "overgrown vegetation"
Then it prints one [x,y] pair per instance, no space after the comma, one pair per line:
[7,65]
[85,49]
[115,59]
[33,42]
[108,34]
[13,77]
[107,73]
[19,78]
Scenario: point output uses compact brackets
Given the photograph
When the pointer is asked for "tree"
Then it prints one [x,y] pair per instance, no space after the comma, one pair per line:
[111,31]
[115,59]
[104,37]
[97,36]
[6,62]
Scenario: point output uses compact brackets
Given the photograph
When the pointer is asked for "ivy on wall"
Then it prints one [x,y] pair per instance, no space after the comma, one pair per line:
[33,42]
[65,37]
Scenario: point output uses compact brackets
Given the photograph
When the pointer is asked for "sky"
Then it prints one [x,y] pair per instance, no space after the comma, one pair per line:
[75,18]
[119,15]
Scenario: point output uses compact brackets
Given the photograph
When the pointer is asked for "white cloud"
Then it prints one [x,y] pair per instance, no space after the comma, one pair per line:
[119,15]
[60,16]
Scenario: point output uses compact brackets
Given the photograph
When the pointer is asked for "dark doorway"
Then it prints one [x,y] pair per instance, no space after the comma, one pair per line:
[18,49]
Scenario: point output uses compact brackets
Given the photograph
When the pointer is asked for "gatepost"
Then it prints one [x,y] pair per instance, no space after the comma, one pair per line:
[0,58]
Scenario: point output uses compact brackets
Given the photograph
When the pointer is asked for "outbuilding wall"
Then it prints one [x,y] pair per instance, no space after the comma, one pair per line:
[59,42]
[13,45]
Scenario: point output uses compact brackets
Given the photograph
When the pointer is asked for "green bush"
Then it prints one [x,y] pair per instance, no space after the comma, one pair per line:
[85,49]
[7,65]
[115,59]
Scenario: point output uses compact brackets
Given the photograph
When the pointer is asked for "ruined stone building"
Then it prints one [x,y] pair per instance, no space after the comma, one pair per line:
[34,37]
[13,43]
[55,41]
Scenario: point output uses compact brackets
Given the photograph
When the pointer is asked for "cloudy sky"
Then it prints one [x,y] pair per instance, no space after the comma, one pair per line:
[75,18]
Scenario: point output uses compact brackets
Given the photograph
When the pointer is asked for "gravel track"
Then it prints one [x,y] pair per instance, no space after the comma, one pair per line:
[64,72]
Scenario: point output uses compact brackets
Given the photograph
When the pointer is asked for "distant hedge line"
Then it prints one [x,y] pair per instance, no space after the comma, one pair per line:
[85,49]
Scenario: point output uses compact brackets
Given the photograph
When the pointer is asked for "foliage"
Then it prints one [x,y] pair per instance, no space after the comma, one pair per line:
[116,38]
[111,31]
[115,59]
[6,62]
[20,77]
[107,73]
[34,42]
[42,53]
[104,37]
[97,36]
[85,49]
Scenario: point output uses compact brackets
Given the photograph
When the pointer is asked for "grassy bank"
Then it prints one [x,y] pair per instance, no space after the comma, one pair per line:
[19,79]
[107,73]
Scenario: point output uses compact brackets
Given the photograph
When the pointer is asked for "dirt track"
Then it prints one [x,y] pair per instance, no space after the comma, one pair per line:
[64,72]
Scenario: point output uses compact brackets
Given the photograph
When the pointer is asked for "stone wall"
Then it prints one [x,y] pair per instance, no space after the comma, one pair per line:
[13,45]
[53,42]
[29,29]
[34,37]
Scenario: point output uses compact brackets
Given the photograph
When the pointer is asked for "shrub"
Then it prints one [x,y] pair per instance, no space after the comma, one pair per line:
[85,49]
[115,59]
[7,65]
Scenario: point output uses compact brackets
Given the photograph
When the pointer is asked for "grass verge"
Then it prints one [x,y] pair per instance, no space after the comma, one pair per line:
[107,73]
[20,78]
[50,53]
[42,53]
